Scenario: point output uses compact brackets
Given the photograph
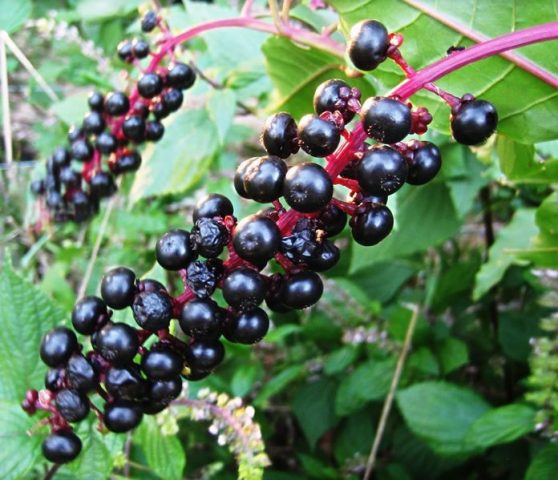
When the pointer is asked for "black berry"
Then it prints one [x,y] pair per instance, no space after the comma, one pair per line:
[385,119]
[279,136]
[424,164]
[307,187]
[116,103]
[373,225]
[256,239]
[118,287]
[82,150]
[202,277]
[201,318]
[165,390]
[140,48]
[172,99]
[150,85]
[61,157]
[72,405]
[333,220]
[62,446]
[336,95]
[382,171]
[302,290]
[125,383]
[263,178]
[102,185]
[127,162]
[368,44]
[96,101]
[93,123]
[213,205]
[134,128]
[117,343]
[57,346]
[122,416]
[161,363]
[318,137]
[247,327]
[173,250]
[244,288]
[154,131]
[81,374]
[180,76]
[124,51]
[205,354]
[474,122]
[105,143]
[149,21]
[152,310]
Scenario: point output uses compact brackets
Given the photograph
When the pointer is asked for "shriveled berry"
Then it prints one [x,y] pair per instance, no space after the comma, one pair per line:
[302,289]
[382,171]
[122,416]
[81,374]
[205,354]
[72,405]
[201,318]
[152,310]
[173,250]
[165,391]
[244,288]
[118,343]
[307,187]
[368,44]
[150,85]
[318,137]
[116,103]
[373,225]
[125,383]
[181,76]
[263,178]
[118,287]
[247,327]
[154,131]
[202,277]
[256,239]
[161,363]
[213,205]
[279,136]
[93,123]
[424,164]
[102,185]
[57,346]
[474,122]
[61,446]
[208,237]
[134,128]
[385,119]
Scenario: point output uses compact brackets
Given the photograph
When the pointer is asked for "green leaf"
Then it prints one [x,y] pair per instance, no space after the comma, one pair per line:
[340,359]
[426,217]
[314,408]
[501,425]
[164,453]
[354,435]
[317,469]
[93,10]
[296,72]
[502,254]
[518,163]
[424,361]
[514,332]
[26,313]
[440,413]
[452,354]
[244,378]
[545,464]
[180,159]
[221,106]
[278,383]
[72,108]
[427,28]
[370,381]
[19,451]
[14,14]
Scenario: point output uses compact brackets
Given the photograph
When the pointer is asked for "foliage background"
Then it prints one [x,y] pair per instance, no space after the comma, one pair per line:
[477,249]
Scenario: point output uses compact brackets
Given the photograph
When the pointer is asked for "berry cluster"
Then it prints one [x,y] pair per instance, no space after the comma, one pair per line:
[138,371]
[106,143]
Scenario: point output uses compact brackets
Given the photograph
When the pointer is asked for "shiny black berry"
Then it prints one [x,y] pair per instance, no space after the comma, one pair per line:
[61,157]
[151,285]
[72,405]
[173,250]
[105,143]
[54,379]
[373,225]
[116,103]
[61,446]
[213,205]
[70,177]
[134,128]
[74,133]
[93,123]
[335,95]
[474,122]
[244,288]
[172,99]
[150,85]
[165,391]
[88,314]
[149,21]
[368,44]
[127,162]
[302,289]
[38,187]
[247,327]
[385,119]
[125,383]
[122,416]
[57,346]
[161,363]
[424,164]
[209,236]
[180,76]
[317,136]
[81,374]
[201,318]
[96,101]
[152,310]
[205,354]
[160,110]
[325,258]
[307,187]
[117,342]
[124,51]
[382,171]
[154,131]
[263,178]
[140,48]
[118,287]
[333,220]
[82,150]
[279,136]
[102,185]
[256,239]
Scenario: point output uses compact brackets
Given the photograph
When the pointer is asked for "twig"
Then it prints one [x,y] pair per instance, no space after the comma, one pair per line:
[391,394]
[97,247]
[6,118]
[29,66]
[247,8]
[49,475]
[286,9]
[274,9]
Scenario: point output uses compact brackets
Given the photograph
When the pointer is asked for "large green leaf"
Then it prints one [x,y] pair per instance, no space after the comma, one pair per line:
[14,14]
[180,159]
[441,413]
[503,253]
[296,72]
[164,453]
[425,216]
[545,464]
[26,313]
[501,425]
[517,161]
[93,10]
[427,28]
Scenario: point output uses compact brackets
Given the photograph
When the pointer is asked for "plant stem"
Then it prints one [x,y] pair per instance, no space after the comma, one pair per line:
[391,394]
